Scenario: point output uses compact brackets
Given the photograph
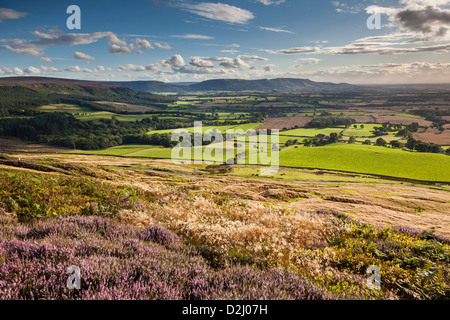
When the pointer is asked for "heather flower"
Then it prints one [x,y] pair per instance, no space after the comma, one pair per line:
[159,235]
[121,262]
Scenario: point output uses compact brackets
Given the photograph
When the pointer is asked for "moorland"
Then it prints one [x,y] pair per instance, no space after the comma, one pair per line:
[87,179]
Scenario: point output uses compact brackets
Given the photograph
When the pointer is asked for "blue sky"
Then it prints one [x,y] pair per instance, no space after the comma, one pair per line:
[188,40]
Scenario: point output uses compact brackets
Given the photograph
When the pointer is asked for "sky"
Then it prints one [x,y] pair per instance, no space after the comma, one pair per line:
[190,41]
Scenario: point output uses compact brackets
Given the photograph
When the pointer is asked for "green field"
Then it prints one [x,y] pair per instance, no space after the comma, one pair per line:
[370,160]
[96,115]
[340,157]
[223,129]
[361,132]
[63,107]
[310,132]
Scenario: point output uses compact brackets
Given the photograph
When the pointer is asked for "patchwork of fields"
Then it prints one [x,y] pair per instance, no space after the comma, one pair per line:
[340,157]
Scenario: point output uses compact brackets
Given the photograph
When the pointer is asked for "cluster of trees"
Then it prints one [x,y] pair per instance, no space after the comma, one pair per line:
[20,101]
[317,142]
[156,139]
[411,144]
[63,129]
[330,122]
[388,127]
[421,146]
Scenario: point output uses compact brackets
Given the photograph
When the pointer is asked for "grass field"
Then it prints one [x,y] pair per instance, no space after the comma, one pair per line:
[361,132]
[310,132]
[370,160]
[223,129]
[96,115]
[340,157]
[63,107]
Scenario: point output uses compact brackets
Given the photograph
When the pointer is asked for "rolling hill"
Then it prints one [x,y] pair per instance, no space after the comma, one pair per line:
[265,85]
[27,93]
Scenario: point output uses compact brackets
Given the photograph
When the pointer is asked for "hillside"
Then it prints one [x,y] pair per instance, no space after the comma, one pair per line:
[149,86]
[24,94]
[266,85]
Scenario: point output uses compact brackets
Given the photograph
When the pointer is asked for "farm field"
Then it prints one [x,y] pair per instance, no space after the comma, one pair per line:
[367,131]
[223,129]
[433,135]
[339,157]
[310,132]
[370,159]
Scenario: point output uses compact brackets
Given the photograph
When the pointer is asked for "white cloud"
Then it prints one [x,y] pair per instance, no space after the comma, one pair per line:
[32,70]
[200,62]
[237,63]
[275,29]
[174,61]
[252,58]
[77,69]
[307,61]
[6,13]
[193,36]
[17,71]
[415,72]
[131,67]
[271,2]
[46,59]
[119,50]
[292,51]
[229,51]
[152,67]
[142,43]
[49,69]
[221,12]
[55,37]
[190,70]
[112,38]
[25,50]
[82,56]
[163,46]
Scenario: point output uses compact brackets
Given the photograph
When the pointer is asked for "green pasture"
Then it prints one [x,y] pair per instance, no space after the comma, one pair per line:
[370,160]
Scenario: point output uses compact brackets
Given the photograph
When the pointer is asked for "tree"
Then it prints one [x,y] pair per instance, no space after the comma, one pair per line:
[396,144]
[307,142]
[411,144]
[367,142]
[352,140]
[361,126]
[447,151]
[333,137]
[381,142]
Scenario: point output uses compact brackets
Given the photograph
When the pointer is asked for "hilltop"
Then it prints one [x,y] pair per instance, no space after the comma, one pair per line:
[27,93]
[262,85]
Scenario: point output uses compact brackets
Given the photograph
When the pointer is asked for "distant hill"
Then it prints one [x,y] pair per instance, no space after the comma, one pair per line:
[148,86]
[265,85]
[25,93]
